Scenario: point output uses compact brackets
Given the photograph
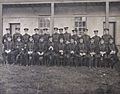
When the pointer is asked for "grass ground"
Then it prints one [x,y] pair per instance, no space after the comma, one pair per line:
[16,79]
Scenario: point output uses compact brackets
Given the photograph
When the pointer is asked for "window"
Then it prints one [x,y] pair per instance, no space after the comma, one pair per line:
[44,22]
[80,22]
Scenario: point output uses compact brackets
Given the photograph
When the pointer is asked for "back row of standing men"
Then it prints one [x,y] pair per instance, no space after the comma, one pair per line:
[94,45]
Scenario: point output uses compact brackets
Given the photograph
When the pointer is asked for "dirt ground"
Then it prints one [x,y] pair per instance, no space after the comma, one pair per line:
[16,79]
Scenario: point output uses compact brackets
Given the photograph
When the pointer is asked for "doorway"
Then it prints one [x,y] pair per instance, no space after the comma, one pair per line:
[13,26]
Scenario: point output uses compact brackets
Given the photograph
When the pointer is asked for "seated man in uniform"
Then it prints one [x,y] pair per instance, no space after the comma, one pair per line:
[8,55]
[61,52]
[92,53]
[82,51]
[103,48]
[112,53]
[19,51]
[41,52]
[30,52]
[50,52]
[71,52]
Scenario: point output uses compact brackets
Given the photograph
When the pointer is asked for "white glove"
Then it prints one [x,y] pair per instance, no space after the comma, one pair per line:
[30,52]
[72,52]
[8,51]
[61,51]
[41,53]
[38,53]
[92,53]
[51,48]
[81,54]
[84,53]
[102,53]
[112,52]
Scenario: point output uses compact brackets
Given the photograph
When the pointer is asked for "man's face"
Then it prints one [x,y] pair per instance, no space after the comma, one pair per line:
[17,31]
[26,31]
[72,40]
[8,31]
[61,31]
[106,31]
[81,40]
[18,39]
[92,40]
[36,31]
[96,33]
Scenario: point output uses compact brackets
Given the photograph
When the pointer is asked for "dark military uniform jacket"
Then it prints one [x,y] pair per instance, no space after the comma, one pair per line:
[86,39]
[92,47]
[46,37]
[55,37]
[31,46]
[67,36]
[70,47]
[61,46]
[112,47]
[61,36]
[18,45]
[75,37]
[103,47]
[42,47]
[96,40]
[16,35]
[26,38]
[36,38]
[4,39]
[82,48]
[106,38]
[8,45]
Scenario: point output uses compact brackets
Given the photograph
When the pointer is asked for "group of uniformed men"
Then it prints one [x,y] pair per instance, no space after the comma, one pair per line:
[76,49]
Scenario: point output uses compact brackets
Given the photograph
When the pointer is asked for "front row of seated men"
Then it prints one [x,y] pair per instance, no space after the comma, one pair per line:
[60,48]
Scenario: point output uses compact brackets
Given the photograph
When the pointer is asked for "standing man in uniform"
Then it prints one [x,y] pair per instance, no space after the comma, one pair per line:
[67,35]
[17,34]
[71,52]
[36,37]
[26,36]
[106,36]
[96,42]
[46,34]
[61,35]
[5,37]
[8,55]
[75,36]
[86,37]
[55,35]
